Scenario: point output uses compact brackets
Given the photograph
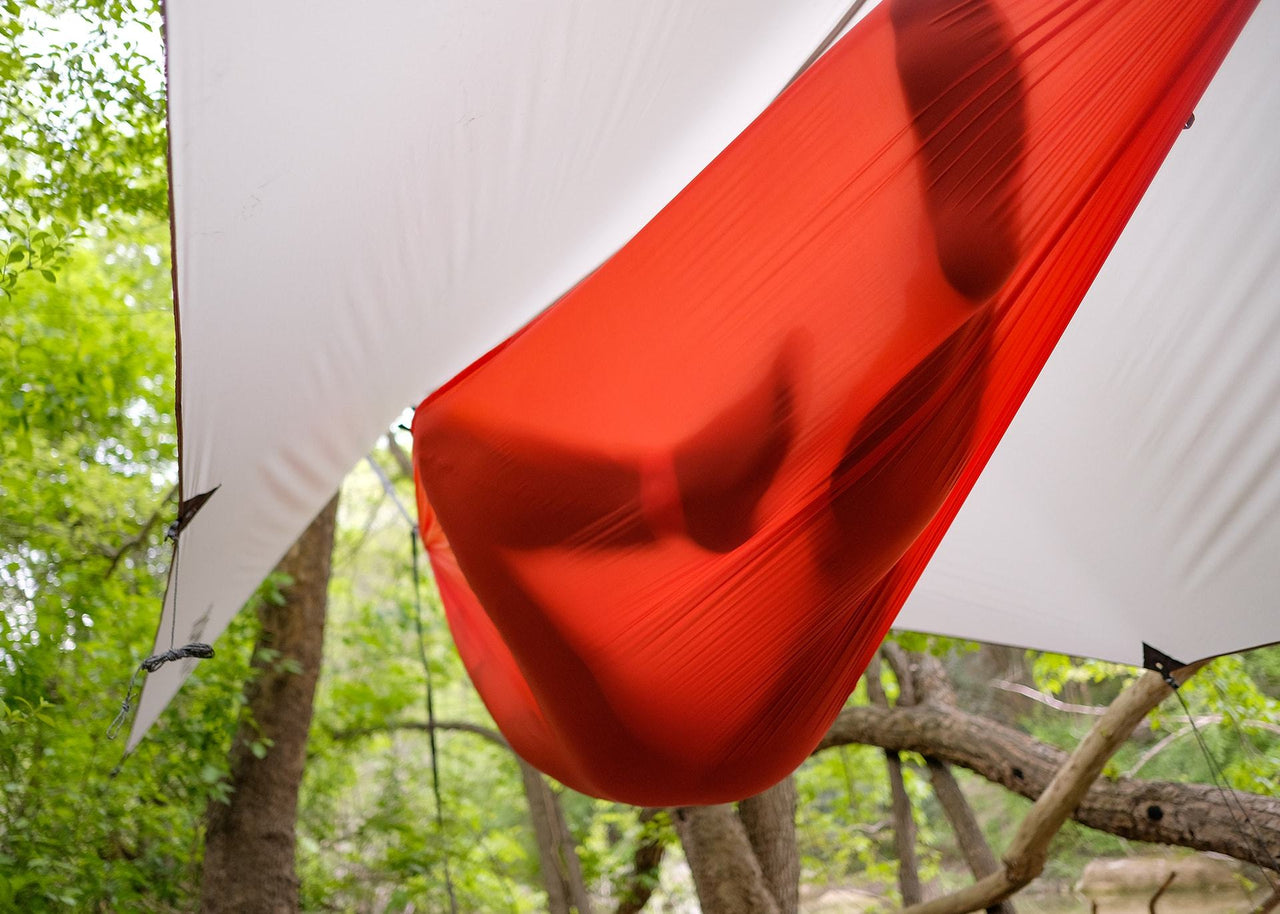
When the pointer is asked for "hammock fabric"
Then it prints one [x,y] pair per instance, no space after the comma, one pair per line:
[674,516]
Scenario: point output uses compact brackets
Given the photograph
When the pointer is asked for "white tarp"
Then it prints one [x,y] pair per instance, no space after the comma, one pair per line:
[1136,496]
[367,199]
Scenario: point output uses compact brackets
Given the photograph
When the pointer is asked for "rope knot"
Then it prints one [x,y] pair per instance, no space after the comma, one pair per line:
[197,649]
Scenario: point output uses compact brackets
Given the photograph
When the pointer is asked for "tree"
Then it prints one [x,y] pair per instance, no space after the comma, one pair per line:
[86,476]
[1063,785]
[744,859]
[249,845]
[82,135]
[87,466]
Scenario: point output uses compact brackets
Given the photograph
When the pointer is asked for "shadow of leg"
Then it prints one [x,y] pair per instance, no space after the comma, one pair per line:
[966,92]
[905,456]
[724,470]
[528,493]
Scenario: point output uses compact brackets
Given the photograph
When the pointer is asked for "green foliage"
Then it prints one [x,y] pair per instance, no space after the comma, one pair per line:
[1238,722]
[82,135]
[85,461]
[608,848]
[87,467]
[845,821]
[368,818]
[1226,707]
[938,645]
[843,817]
[1263,667]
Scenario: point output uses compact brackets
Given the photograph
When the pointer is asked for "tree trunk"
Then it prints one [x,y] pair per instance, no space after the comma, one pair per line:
[557,857]
[726,873]
[770,821]
[922,678]
[904,823]
[249,845]
[973,844]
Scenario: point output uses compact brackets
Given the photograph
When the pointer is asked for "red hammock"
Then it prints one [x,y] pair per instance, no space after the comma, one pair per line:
[674,516]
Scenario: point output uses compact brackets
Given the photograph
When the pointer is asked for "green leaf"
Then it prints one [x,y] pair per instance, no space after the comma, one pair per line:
[17,253]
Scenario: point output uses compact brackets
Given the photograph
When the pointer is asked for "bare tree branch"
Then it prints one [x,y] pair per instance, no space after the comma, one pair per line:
[901,664]
[402,459]
[921,677]
[143,533]
[461,726]
[1164,887]
[557,857]
[1202,721]
[973,844]
[1048,700]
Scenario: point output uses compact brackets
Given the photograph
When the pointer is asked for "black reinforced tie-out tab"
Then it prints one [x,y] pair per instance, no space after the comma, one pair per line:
[187,510]
[1161,663]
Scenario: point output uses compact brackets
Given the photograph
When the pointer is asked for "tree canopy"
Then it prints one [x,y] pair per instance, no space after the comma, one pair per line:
[87,485]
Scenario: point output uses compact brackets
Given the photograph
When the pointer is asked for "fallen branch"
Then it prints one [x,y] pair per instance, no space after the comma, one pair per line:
[1186,815]
[1026,855]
